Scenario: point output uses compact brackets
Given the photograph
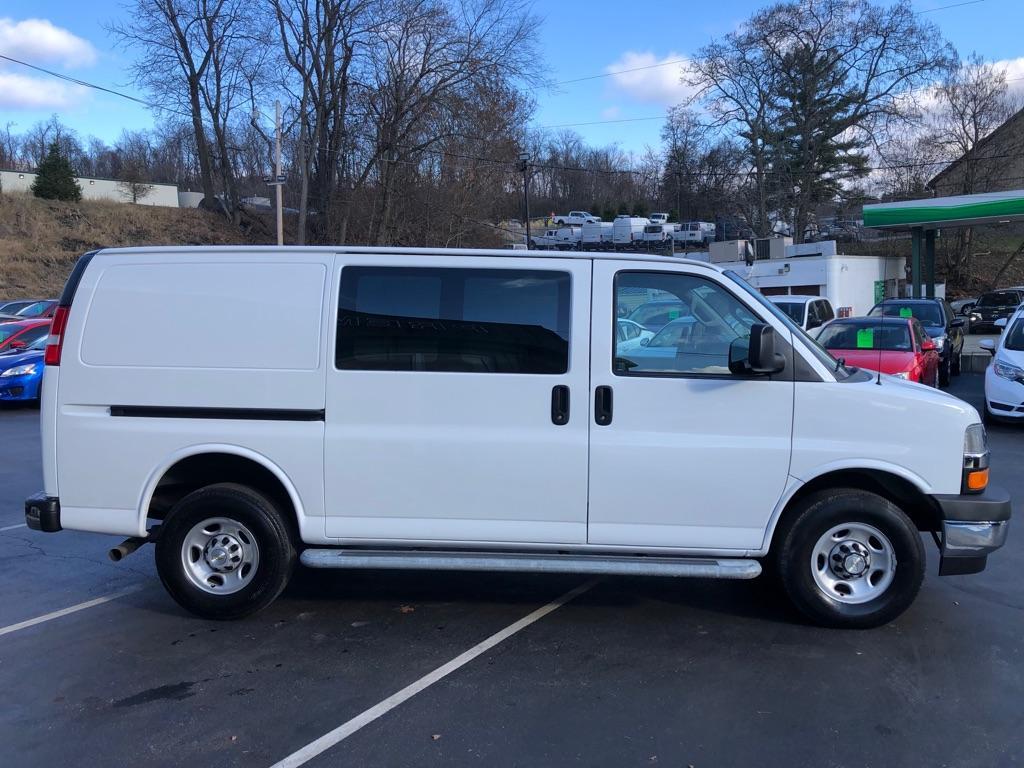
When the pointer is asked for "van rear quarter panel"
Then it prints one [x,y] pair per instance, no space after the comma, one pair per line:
[194,329]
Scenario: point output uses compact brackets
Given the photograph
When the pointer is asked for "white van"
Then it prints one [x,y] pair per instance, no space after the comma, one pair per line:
[596,233]
[247,408]
[627,230]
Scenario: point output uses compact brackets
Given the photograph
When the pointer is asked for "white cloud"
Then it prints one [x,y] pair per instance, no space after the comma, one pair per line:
[658,82]
[610,113]
[38,41]
[23,92]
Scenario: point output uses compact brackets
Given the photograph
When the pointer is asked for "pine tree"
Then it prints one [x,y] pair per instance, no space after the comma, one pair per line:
[55,179]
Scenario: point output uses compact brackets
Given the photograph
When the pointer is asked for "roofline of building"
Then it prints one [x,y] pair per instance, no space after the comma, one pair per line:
[930,184]
[97,178]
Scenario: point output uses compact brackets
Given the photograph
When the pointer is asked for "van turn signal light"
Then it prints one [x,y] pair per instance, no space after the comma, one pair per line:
[977,480]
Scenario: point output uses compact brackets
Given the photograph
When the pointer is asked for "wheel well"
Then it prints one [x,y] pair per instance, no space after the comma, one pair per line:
[918,506]
[194,472]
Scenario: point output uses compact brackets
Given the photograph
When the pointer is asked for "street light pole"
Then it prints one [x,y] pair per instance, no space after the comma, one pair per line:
[524,166]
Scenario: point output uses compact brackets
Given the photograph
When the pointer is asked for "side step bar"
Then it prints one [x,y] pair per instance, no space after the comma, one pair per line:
[705,568]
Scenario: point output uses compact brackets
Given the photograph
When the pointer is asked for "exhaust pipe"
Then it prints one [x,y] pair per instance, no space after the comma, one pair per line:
[125,548]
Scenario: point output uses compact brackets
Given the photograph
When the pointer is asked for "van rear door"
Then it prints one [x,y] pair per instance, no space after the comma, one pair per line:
[457,399]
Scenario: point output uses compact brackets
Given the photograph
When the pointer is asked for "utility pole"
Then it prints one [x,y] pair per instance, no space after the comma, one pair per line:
[524,166]
[277,172]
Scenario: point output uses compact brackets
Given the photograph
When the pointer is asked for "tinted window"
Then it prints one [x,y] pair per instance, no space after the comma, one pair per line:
[826,311]
[999,299]
[928,314]
[35,310]
[708,321]
[794,309]
[469,320]
[866,335]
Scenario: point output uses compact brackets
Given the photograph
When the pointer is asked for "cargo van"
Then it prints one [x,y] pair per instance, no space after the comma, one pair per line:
[246,409]
[627,230]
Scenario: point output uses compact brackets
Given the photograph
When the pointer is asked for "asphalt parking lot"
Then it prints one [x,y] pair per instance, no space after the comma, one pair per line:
[626,672]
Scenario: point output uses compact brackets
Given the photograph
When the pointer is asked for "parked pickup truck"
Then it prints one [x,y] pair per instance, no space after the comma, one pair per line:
[577,218]
[563,238]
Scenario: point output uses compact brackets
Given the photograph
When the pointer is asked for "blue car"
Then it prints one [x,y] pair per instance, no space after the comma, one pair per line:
[21,373]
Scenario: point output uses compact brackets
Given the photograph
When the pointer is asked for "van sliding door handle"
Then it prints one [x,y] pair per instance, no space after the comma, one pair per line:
[603,406]
[560,405]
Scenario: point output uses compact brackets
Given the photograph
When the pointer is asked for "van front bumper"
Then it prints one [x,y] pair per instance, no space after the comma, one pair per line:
[972,527]
[42,513]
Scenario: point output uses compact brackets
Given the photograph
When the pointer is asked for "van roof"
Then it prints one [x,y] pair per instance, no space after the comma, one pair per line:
[396,251]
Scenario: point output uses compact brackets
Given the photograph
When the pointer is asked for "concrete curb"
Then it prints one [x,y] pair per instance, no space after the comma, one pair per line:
[976,362]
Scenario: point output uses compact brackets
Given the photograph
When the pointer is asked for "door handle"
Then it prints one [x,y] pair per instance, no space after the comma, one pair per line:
[603,406]
[560,405]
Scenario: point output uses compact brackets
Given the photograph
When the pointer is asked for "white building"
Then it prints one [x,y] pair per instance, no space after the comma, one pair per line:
[96,189]
[853,283]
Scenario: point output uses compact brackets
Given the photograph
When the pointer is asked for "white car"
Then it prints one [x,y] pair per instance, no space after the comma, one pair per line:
[1004,378]
[630,336]
[576,218]
[809,312]
[457,409]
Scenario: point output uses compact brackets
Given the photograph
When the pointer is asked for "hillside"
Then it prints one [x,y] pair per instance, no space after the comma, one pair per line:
[41,239]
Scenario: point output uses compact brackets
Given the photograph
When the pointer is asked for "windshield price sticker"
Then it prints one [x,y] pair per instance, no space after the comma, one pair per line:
[906,312]
[865,338]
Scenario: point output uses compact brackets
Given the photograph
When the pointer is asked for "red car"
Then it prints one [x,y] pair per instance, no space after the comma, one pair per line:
[18,334]
[894,345]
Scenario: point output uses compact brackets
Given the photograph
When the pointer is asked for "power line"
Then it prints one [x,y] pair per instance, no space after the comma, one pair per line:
[617,72]
[954,5]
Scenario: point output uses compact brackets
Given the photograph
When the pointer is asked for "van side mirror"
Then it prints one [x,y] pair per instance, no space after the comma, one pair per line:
[1000,323]
[957,322]
[988,345]
[758,356]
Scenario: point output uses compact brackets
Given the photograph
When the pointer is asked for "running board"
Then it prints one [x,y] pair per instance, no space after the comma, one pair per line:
[698,567]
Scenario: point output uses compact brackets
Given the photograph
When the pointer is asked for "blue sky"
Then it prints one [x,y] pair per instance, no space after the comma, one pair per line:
[580,38]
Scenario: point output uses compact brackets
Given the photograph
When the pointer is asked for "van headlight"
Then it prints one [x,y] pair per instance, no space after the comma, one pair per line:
[976,455]
[21,370]
[1008,371]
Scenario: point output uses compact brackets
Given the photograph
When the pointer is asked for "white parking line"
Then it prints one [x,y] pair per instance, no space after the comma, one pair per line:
[65,611]
[343,731]
[12,527]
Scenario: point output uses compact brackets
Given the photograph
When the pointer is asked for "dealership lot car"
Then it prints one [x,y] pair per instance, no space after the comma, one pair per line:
[21,373]
[407,385]
[940,323]
[809,312]
[1004,378]
[994,306]
[19,334]
[894,345]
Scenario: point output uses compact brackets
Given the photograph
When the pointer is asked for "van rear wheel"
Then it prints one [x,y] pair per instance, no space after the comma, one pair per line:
[850,559]
[224,552]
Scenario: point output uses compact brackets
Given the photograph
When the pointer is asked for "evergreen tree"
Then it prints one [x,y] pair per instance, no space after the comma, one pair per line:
[55,179]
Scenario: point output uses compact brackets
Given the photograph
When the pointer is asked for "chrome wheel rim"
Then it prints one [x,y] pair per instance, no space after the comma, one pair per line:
[853,563]
[220,556]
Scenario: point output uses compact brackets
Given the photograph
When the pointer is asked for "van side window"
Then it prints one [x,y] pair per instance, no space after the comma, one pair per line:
[454,320]
[696,323]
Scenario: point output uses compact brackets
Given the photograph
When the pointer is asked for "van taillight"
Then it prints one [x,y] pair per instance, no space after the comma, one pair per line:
[56,341]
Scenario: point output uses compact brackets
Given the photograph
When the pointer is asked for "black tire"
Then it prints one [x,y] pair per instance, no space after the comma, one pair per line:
[944,368]
[260,517]
[818,514]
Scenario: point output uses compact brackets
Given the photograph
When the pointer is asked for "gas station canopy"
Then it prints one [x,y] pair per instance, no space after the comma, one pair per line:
[959,211]
[922,217]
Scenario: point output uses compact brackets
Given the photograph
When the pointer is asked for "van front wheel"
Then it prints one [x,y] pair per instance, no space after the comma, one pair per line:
[850,558]
[224,552]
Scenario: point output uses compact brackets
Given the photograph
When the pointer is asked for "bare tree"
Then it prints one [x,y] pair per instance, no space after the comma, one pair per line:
[972,102]
[190,52]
